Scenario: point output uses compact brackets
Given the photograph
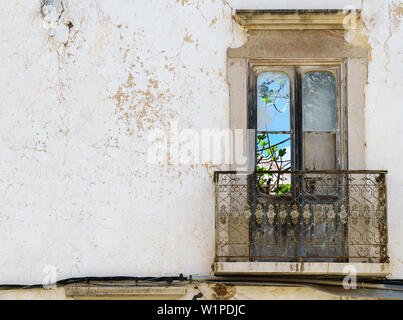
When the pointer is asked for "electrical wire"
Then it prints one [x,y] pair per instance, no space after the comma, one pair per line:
[168,280]
[366,287]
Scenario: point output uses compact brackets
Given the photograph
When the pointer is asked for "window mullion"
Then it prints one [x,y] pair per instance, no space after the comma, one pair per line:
[297,119]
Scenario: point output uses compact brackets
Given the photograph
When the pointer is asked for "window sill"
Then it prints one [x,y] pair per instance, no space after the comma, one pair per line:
[83,291]
[300,268]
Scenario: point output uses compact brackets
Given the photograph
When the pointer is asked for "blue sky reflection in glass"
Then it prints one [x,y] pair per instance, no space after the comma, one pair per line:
[273,119]
[273,102]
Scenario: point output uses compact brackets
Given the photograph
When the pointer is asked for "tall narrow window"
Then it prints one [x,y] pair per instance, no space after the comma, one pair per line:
[273,127]
[298,134]
[319,120]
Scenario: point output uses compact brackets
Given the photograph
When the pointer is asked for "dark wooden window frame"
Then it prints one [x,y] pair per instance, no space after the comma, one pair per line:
[295,69]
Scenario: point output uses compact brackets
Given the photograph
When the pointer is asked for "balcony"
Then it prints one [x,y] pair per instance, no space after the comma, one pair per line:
[302,217]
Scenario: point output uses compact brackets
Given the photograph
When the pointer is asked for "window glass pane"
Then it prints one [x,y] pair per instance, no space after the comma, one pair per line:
[273,102]
[319,101]
[274,154]
[319,151]
[274,151]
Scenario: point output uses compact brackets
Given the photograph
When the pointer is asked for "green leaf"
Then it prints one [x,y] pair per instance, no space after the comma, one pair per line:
[272,150]
[282,152]
[283,189]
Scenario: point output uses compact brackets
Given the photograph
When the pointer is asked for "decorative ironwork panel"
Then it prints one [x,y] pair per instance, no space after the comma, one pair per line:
[323,216]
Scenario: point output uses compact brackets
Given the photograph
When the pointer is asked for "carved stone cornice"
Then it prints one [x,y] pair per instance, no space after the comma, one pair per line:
[298,19]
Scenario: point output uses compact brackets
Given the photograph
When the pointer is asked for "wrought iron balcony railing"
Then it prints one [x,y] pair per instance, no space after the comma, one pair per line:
[310,216]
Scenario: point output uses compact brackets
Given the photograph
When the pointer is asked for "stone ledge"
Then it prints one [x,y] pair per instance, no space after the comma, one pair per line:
[297,19]
[83,291]
[300,268]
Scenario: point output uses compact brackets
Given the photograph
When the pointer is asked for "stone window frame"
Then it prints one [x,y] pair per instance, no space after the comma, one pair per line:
[309,42]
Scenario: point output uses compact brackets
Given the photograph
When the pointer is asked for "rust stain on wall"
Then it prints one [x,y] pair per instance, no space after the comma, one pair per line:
[223,292]
[141,108]
[183,2]
[396,12]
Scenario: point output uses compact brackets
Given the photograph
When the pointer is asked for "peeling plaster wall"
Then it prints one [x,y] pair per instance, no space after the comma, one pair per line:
[76,190]
[384,112]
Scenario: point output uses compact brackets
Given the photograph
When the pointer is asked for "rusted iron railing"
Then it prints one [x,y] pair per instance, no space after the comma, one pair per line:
[312,216]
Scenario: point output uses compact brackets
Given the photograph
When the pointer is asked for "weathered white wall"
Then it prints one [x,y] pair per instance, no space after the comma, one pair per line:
[384,111]
[76,190]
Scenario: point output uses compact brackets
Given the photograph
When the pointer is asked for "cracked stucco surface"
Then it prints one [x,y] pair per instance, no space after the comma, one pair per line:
[383,20]
[75,187]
